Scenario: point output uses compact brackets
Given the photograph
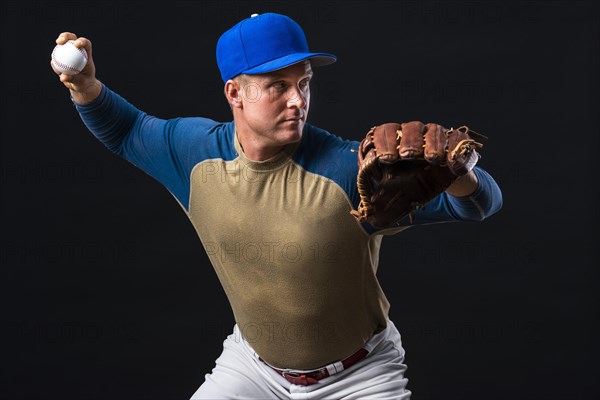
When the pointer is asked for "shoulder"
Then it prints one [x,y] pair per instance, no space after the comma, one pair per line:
[326,140]
[202,137]
[320,147]
[196,125]
[328,155]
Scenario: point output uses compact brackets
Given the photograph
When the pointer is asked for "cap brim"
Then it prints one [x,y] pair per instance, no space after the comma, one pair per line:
[316,60]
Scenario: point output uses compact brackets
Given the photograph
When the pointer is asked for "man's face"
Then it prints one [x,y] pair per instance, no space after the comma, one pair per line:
[275,104]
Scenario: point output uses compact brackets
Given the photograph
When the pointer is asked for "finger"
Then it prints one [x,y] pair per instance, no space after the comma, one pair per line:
[59,73]
[411,140]
[64,37]
[64,78]
[84,43]
[462,156]
[56,71]
[435,144]
[366,148]
[385,138]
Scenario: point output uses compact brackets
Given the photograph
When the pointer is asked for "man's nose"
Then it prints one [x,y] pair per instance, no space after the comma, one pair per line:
[296,98]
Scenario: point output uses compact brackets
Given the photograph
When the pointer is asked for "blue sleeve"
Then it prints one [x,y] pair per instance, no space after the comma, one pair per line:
[165,149]
[330,156]
[484,202]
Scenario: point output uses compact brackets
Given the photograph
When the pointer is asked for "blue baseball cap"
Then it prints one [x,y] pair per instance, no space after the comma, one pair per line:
[264,43]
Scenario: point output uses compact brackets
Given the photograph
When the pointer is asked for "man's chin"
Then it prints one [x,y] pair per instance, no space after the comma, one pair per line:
[293,134]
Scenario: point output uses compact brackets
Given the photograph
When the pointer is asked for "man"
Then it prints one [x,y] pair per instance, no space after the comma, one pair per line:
[270,197]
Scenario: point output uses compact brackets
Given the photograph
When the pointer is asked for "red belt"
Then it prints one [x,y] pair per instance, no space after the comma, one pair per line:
[312,377]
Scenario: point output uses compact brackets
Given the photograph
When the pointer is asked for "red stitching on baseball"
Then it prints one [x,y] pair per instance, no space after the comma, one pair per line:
[61,65]
[68,67]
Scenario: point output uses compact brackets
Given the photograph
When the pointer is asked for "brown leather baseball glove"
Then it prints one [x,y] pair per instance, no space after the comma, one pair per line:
[403,166]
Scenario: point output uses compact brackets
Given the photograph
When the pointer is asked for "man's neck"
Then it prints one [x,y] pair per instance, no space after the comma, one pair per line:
[256,151]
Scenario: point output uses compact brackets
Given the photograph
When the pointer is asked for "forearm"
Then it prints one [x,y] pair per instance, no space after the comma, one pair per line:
[109,117]
[464,185]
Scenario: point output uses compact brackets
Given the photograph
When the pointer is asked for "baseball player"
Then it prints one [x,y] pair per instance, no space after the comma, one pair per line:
[271,198]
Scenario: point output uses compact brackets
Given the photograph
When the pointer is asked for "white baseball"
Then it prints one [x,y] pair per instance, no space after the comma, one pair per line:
[68,59]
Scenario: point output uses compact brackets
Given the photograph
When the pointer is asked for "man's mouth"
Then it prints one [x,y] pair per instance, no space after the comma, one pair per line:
[294,119]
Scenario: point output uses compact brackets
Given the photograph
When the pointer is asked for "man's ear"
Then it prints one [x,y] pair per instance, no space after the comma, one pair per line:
[233,93]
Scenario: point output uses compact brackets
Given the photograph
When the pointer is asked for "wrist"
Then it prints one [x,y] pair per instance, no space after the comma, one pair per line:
[88,93]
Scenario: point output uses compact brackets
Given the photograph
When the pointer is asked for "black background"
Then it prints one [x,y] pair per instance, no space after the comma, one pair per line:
[107,293]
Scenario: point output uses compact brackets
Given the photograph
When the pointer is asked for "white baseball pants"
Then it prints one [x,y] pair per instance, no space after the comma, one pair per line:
[239,374]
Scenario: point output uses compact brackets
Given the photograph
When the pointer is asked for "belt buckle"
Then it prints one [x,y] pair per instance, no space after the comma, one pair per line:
[299,379]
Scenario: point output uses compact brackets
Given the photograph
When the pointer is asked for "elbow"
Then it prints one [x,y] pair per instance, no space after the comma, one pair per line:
[493,210]
[488,198]
[494,205]
[498,202]
[478,209]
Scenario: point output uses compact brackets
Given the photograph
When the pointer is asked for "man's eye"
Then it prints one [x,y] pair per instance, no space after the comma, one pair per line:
[279,85]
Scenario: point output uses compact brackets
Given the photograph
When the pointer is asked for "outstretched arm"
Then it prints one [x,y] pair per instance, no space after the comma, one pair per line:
[166,149]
